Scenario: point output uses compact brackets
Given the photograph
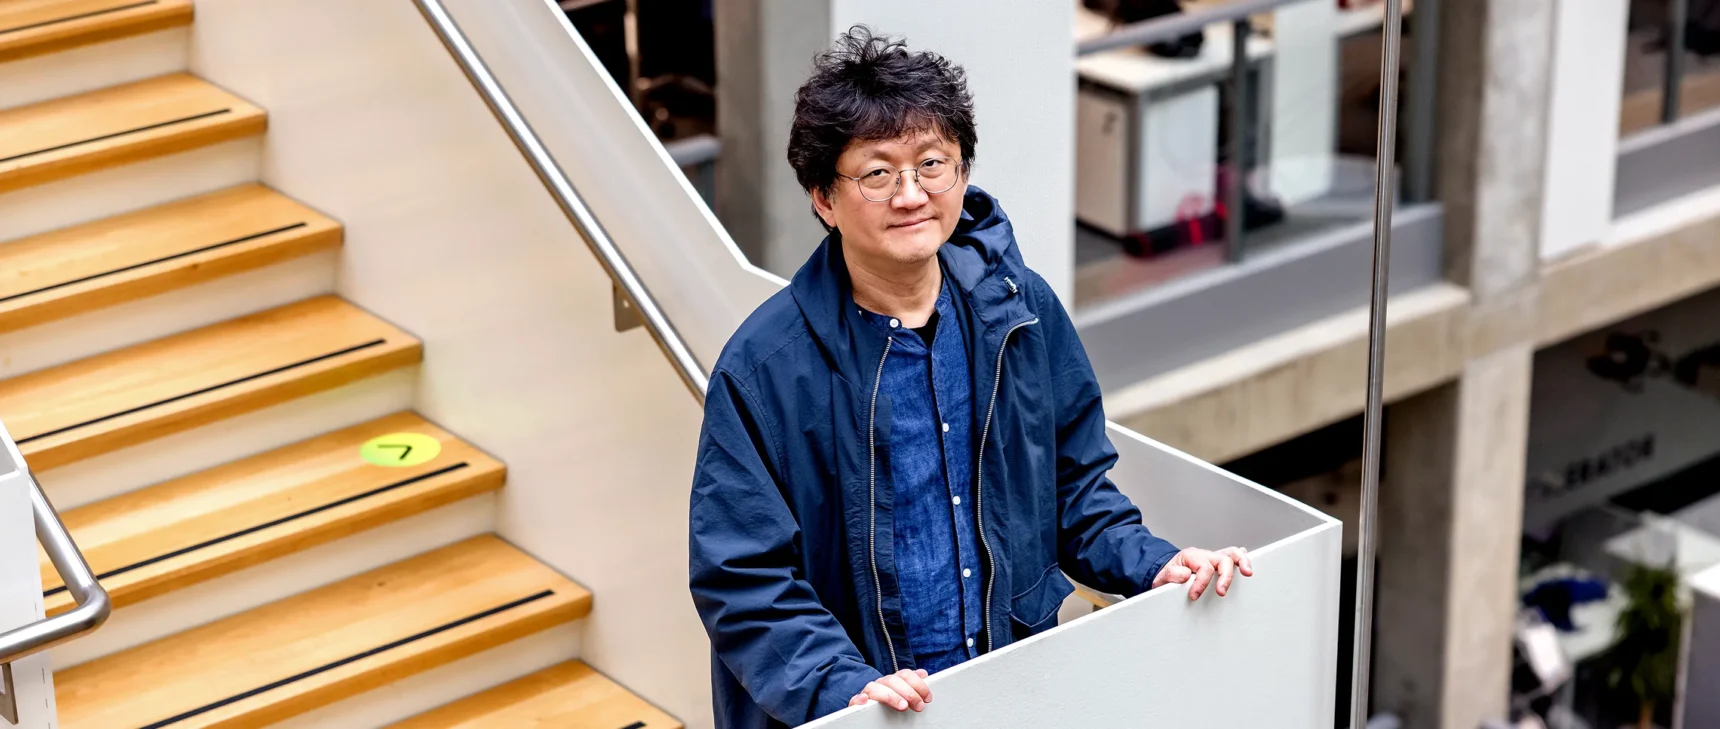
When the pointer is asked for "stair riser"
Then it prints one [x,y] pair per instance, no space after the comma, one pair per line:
[108,192]
[87,68]
[134,322]
[249,588]
[204,447]
[438,686]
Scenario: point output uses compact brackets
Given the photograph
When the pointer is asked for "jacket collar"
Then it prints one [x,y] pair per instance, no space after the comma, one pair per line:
[981,258]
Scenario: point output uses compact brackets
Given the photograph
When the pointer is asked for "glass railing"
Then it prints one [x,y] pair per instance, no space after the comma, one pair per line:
[1225,176]
[1277,633]
[1669,105]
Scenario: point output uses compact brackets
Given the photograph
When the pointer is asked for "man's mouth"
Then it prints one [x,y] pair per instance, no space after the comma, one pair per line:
[911,223]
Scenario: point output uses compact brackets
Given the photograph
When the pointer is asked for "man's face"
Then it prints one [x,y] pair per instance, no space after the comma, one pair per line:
[908,228]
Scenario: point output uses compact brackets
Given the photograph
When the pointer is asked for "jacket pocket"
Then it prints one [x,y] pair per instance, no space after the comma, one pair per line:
[1034,611]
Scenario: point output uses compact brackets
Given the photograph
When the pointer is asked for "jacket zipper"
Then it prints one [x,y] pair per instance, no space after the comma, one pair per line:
[979,474]
[872,532]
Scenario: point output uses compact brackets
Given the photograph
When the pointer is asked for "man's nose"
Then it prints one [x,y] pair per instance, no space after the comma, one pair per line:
[911,195]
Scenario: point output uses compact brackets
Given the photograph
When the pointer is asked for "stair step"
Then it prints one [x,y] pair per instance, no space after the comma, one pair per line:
[128,257]
[34,27]
[325,645]
[175,534]
[567,696]
[117,399]
[119,125]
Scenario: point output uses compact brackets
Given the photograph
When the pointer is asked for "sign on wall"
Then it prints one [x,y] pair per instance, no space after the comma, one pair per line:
[1621,407]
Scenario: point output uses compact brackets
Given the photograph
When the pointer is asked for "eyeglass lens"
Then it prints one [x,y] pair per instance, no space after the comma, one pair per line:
[935,176]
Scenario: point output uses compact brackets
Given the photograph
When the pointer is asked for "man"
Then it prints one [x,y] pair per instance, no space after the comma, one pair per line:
[904,450]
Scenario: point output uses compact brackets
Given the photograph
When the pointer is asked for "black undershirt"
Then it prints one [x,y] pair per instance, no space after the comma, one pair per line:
[929,330]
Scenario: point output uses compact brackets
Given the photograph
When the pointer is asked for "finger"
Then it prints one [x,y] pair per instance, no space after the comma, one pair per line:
[902,689]
[1172,574]
[917,681]
[1244,563]
[922,672]
[1198,584]
[858,700]
[1226,572]
[883,694]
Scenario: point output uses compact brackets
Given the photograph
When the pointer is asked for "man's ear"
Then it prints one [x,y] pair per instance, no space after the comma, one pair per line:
[821,205]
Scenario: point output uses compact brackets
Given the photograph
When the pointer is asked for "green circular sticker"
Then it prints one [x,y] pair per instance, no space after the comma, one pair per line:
[400,449]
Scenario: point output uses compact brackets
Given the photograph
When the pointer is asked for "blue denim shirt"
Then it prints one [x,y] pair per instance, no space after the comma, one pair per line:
[930,463]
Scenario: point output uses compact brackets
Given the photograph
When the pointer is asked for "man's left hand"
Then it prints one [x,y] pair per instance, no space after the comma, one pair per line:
[1197,567]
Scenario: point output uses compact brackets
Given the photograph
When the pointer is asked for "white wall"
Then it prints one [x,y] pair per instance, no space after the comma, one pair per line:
[21,589]
[1582,125]
[450,236]
[1020,64]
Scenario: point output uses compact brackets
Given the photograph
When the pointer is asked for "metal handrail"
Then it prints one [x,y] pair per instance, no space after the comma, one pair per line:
[572,205]
[93,605]
[1391,49]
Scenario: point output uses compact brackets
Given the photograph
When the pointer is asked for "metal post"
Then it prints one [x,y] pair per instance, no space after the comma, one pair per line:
[1672,87]
[1383,193]
[1419,103]
[1236,176]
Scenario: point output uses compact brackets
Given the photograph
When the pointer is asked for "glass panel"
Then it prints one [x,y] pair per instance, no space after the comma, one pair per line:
[1156,147]
[1645,65]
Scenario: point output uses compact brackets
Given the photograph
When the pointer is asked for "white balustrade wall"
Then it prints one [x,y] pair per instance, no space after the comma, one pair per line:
[21,590]
[1266,655]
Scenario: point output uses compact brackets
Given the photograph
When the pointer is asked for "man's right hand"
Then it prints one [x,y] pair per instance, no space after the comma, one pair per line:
[902,690]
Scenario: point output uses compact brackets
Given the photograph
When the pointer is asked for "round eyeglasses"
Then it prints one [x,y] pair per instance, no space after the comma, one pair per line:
[880,184]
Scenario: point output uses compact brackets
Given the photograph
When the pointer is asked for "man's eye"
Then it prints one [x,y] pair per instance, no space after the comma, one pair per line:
[932,164]
[879,172]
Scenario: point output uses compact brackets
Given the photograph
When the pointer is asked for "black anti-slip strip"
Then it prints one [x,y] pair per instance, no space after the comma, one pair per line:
[635,725]
[163,259]
[211,388]
[79,16]
[266,525]
[349,659]
[146,128]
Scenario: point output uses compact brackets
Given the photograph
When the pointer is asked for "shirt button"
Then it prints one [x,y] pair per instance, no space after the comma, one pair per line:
[967,572]
[970,642]
[946,427]
[894,323]
[957,500]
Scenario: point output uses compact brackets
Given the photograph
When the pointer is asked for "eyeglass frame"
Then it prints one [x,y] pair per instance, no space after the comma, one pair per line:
[957,163]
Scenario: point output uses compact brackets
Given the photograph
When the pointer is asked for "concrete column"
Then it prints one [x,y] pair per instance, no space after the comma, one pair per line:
[1451,499]
[764,52]
[1021,69]
[1451,510]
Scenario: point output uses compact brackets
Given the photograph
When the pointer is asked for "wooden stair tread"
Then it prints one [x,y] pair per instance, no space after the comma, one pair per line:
[127,257]
[567,696]
[321,646]
[174,534]
[121,398]
[32,27]
[118,125]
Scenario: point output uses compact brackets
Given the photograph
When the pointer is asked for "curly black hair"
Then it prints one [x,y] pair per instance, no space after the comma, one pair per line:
[869,87]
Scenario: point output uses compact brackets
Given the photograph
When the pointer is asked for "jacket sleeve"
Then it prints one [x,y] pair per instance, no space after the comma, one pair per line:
[764,620]
[1102,542]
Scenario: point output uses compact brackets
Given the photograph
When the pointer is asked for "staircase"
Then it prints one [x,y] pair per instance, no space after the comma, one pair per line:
[231,444]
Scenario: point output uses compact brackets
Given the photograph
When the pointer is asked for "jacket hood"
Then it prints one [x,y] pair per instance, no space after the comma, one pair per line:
[980,253]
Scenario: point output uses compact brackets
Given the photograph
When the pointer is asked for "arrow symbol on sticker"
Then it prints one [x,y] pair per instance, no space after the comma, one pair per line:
[403,453]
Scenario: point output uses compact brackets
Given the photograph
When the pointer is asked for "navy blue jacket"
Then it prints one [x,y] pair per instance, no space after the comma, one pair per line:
[791,549]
